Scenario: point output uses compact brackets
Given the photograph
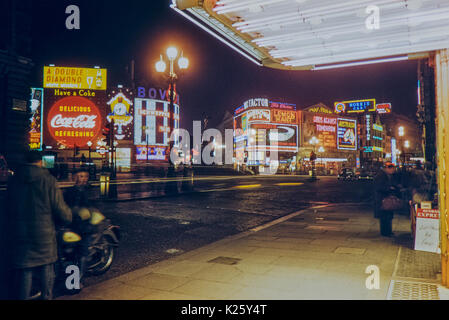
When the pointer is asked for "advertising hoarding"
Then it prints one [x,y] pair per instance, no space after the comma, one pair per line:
[258,115]
[74,106]
[383,108]
[282,105]
[36,110]
[283,116]
[355,106]
[151,126]
[427,234]
[121,112]
[73,121]
[322,127]
[286,136]
[151,153]
[346,134]
[75,78]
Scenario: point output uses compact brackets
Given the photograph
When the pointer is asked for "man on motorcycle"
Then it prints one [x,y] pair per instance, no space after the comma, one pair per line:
[77,198]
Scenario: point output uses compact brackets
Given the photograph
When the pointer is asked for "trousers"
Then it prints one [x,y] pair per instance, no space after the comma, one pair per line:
[386,223]
[24,280]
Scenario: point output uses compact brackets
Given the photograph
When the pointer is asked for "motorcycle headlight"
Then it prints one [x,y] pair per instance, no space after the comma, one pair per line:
[70,236]
[96,218]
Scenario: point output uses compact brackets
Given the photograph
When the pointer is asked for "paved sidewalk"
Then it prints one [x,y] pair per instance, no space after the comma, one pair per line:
[319,253]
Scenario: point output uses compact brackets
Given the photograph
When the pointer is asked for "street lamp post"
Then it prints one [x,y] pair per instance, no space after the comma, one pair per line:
[406,147]
[313,141]
[89,144]
[401,132]
[183,63]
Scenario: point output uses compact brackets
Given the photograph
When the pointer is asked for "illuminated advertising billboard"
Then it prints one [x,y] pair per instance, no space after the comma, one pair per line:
[383,108]
[73,121]
[355,106]
[75,78]
[258,115]
[346,134]
[286,136]
[151,126]
[283,116]
[282,105]
[74,106]
[151,153]
[322,127]
[36,110]
[121,112]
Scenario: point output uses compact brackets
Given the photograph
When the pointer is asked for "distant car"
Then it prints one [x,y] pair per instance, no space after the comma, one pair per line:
[5,172]
[364,175]
[346,174]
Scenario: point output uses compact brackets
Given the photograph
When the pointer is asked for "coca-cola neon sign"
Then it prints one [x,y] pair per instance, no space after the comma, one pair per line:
[74,121]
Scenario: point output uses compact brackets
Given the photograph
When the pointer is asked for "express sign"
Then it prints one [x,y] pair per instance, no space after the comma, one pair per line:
[74,121]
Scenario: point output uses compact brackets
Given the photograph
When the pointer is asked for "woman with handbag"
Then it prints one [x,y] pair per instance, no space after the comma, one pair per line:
[387,198]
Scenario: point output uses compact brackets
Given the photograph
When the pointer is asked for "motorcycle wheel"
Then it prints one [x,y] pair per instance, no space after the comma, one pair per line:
[104,261]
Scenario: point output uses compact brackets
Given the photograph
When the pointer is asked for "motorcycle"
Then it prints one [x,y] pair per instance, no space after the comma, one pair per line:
[102,241]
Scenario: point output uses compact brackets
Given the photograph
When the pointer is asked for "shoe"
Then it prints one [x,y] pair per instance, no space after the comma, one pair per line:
[390,235]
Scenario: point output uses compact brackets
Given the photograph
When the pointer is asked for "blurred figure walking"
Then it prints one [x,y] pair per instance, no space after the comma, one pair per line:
[386,186]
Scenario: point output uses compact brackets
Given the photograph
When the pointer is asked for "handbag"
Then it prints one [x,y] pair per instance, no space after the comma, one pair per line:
[392,203]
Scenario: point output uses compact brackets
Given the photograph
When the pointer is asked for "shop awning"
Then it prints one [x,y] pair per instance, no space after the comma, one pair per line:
[319,34]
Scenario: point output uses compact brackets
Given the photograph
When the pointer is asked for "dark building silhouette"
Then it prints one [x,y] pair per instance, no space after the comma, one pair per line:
[15,69]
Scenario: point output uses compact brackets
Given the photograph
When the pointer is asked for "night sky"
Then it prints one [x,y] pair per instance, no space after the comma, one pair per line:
[115,32]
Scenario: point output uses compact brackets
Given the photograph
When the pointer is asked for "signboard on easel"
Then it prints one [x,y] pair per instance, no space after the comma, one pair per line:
[427,237]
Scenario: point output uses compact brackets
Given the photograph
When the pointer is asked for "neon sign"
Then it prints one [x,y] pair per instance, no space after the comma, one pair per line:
[383,108]
[355,106]
[121,114]
[368,127]
[74,121]
[75,78]
[36,106]
[257,102]
[151,122]
[258,114]
[282,116]
[346,134]
[280,105]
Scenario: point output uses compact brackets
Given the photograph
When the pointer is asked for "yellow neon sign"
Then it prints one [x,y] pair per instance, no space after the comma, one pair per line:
[75,78]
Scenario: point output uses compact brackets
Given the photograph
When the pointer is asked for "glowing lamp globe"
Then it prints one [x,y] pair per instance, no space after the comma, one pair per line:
[183,63]
[160,66]
[172,53]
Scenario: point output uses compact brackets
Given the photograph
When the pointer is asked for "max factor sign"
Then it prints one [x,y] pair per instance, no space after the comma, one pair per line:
[258,102]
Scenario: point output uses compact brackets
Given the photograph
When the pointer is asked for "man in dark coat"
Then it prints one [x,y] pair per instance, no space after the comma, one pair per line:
[385,184]
[35,207]
[77,198]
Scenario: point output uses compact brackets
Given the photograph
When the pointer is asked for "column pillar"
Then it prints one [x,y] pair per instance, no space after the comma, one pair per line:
[442,122]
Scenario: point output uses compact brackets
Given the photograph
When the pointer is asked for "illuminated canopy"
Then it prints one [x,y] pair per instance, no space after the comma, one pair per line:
[320,34]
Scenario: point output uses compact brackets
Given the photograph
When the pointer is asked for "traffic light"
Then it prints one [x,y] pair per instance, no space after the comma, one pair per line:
[108,132]
[76,150]
[312,156]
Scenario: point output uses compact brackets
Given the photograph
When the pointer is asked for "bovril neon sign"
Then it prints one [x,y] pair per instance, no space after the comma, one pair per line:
[155,94]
